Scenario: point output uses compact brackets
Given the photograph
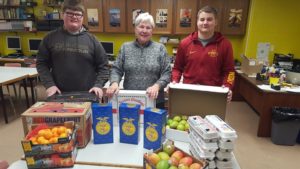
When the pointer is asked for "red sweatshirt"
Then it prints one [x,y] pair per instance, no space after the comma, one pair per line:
[210,65]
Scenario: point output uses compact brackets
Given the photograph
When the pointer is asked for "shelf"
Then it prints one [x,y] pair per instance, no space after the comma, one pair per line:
[17,19]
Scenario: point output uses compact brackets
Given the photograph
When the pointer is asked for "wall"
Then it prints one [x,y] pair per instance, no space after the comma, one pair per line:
[273,21]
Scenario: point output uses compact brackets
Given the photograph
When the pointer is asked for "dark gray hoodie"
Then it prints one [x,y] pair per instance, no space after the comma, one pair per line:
[72,62]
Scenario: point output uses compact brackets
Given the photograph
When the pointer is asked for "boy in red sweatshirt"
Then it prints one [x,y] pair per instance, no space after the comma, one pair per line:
[205,57]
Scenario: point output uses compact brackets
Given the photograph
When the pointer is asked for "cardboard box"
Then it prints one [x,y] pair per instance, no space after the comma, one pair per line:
[147,163]
[56,113]
[188,99]
[154,128]
[134,97]
[102,123]
[31,147]
[177,135]
[251,66]
[129,123]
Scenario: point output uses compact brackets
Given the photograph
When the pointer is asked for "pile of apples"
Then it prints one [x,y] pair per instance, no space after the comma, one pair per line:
[171,158]
[178,123]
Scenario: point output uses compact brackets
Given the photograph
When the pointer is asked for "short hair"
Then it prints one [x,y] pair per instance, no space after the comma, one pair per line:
[75,5]
[208,9]
[144,17]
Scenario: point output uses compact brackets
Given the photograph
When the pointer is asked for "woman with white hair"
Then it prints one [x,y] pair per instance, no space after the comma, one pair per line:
[143,62]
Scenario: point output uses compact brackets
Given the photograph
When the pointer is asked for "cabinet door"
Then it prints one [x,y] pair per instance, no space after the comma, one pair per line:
[93,17]
[114,15]
[218,5]
[235,17]
[134,7]
[162,12]
[185,14]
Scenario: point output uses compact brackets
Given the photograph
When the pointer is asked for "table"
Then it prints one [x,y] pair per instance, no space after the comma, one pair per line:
[127,155]
[9,75]
[262,101]
[15,60]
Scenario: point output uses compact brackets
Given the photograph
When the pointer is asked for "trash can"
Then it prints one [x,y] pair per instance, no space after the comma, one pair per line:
[285,125]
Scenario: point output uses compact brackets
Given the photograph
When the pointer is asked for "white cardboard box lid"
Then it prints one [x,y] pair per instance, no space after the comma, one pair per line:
[215,89]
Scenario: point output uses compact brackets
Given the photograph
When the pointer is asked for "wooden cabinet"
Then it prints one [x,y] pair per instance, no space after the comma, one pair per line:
[235,16]
[185,16]
[134,7]
[232,15]
[162,12]
[114,15]
[93,17]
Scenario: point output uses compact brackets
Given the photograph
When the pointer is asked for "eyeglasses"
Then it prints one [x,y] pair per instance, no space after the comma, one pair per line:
[76,15]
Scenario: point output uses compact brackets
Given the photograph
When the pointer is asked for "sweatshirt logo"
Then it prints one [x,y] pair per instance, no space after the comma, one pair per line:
[230,77]
[213,53]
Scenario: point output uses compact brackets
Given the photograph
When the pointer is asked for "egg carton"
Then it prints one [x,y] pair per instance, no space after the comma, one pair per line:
[211,164]
[210,147]
[201,152]
[224,155]
[226,144]
[226,132]
[200,155]
[203,128]
[205,139]
[226,164]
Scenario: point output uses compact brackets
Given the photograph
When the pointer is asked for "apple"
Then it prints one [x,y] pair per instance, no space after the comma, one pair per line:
[153,158]
[195,166]
[173,161]
[186,161]
[178,154]
[169,121]
[162,164]
[174,124]
[186,127]
[173,167]
[180,127]
[168,148]
[183,122]
[163,155]
[182,166]
[184,117]
[177,118]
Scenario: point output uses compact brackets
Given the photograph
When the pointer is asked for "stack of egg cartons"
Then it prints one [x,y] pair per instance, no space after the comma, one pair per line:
[203,140]
[227,136]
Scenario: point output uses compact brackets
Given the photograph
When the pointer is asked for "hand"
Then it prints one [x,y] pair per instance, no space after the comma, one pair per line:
[153,91]
[229,95]
[3,164]
[97,90]
[113,89]
[52,90]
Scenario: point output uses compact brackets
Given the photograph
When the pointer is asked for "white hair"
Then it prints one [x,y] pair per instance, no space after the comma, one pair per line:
[144,17]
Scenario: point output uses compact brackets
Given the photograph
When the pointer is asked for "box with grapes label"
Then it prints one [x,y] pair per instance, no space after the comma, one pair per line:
[154,127]
[129,123]
[102,123]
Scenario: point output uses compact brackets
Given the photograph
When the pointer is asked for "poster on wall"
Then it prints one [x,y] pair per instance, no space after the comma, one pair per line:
[135,14]
[185,17]
[114,17]
[161,18]
[235,17]
[92,15]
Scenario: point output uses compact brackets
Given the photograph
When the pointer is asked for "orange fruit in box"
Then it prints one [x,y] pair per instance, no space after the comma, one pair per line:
[61,130]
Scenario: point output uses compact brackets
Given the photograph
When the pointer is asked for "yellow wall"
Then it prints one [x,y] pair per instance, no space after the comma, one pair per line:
[273,21]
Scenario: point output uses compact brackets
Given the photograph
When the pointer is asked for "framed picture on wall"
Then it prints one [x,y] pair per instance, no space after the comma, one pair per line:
[161,18]
[185,17]
[92,15]
[114,17]
[135,14]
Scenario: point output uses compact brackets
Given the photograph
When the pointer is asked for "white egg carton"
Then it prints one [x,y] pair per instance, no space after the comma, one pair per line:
[226,144]
[224,155]
[201,151]
[205,139]
[224,164]
[210,147]
[203,128]
[211,164]
[199,154]
[225,131]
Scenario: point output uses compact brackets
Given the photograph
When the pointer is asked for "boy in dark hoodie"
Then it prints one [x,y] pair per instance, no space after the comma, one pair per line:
[205,57]
[71,59]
